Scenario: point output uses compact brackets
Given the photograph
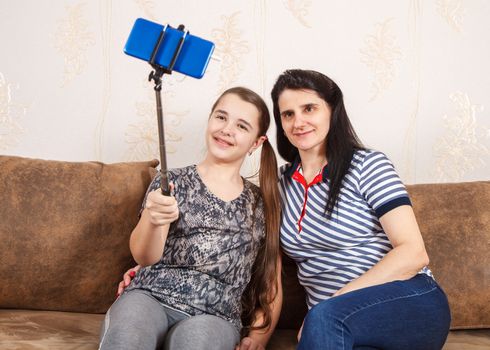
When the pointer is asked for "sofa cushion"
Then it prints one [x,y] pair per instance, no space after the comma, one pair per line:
[49,330]
[294,307]
[64,231]
[454,219]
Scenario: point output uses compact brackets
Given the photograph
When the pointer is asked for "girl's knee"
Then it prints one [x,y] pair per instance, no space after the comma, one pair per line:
[202,332]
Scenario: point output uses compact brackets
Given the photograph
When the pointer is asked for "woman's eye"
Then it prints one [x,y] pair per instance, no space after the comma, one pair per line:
[309,108]
[220,116]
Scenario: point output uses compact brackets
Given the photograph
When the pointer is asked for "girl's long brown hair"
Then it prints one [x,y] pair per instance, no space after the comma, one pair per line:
[262,288]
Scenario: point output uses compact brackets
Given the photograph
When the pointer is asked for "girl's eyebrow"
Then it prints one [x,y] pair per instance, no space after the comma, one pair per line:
[239,119]
[220,111]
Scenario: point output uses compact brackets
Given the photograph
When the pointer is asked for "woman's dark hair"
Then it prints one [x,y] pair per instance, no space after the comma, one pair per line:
[262,288]
[341,140]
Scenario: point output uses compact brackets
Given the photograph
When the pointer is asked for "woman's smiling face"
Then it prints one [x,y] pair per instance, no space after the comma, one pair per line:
[305,118]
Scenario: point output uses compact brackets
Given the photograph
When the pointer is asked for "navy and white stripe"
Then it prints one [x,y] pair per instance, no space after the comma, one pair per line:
[332,252]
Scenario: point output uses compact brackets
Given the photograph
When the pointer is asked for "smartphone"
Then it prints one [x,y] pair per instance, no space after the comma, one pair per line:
[193,58]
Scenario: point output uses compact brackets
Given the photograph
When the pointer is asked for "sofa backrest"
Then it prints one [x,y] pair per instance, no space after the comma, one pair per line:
[454,219]
[64,231]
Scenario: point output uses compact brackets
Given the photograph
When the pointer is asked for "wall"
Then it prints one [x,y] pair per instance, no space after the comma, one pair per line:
[415,76]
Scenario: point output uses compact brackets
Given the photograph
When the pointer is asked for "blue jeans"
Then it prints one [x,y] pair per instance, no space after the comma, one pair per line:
[412,315]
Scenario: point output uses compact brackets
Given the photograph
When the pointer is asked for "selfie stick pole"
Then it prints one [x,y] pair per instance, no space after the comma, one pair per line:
[156,76]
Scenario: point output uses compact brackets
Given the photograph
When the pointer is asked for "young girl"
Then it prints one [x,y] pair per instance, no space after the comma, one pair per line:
[214,241]
[348,223]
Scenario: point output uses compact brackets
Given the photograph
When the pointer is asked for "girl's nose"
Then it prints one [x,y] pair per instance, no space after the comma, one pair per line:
[227,129]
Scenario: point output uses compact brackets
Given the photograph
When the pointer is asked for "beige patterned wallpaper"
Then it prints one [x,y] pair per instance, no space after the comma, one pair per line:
[414,74]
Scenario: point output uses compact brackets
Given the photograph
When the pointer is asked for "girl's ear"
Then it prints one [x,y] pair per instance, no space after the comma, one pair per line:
[257,144]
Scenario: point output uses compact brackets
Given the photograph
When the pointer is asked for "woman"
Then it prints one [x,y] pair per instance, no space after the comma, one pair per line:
[348,224]
[200,246]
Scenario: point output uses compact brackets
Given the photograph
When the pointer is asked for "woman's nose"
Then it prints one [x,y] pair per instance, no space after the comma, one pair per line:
[298,121]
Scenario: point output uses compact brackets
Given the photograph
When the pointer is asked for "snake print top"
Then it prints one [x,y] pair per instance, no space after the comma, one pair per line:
[209,252]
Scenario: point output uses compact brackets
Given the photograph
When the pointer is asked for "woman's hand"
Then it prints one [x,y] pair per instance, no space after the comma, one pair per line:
[127,277]
[248,343]
[162,210]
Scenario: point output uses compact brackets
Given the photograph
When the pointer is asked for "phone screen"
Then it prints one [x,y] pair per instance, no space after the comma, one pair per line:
[193,58]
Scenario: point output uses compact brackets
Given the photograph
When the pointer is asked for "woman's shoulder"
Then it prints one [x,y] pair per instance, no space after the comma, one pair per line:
[285,170]
[365,156]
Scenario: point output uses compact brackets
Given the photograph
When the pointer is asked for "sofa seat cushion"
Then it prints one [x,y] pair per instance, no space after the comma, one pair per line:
[36,330]
[39,330]
[476,339]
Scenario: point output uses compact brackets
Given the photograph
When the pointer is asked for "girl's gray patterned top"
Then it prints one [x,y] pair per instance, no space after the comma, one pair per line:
[209,253]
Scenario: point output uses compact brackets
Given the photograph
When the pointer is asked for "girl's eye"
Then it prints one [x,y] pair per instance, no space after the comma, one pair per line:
[309,108]
[287,114]
[220,116]
[243,127]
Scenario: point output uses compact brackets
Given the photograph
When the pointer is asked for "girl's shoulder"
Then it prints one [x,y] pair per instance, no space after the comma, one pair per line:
[184,174]
[252,190]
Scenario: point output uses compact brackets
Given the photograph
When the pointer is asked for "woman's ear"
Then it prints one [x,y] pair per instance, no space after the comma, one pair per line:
[260,140]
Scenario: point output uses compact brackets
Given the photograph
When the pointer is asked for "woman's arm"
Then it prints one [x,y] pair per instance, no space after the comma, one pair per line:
[407,257]
[148,238]
[258,339]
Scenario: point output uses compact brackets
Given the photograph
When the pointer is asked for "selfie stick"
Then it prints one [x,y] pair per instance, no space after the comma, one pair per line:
[156,76]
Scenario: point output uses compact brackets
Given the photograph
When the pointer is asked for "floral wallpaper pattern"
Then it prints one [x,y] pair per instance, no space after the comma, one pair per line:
[299,9]
[380,55]
[72,40]
[418,68]
[452,11]
[461,149]
[231,47]
[11,114]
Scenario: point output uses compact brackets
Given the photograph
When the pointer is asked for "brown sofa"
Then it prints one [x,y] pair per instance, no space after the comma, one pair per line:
[64,230]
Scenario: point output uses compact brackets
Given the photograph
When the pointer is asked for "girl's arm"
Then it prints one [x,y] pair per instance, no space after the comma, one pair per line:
[148,238]
[404,261]
[258,339]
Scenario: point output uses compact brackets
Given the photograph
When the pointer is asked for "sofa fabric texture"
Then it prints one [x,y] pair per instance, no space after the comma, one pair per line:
[64,243]
[64,231]
[455,222]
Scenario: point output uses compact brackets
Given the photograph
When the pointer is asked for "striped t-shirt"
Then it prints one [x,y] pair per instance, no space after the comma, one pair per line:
[332,252]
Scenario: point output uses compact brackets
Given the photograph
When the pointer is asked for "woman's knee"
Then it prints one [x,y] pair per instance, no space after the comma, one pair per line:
[325,311]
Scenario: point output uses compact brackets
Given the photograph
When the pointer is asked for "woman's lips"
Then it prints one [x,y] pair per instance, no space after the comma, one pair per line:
[302,134]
